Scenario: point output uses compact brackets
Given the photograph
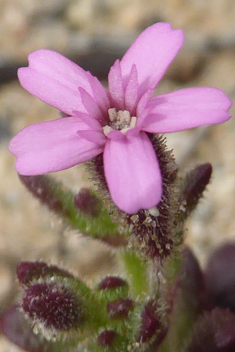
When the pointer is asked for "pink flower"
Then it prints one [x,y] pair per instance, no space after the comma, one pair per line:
[113,122]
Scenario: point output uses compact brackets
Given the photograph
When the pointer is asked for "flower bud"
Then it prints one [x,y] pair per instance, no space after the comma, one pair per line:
[150,322]
[28,271]
[194,185]
[106,338]
[53,305]
[120,308]
[87,203]
[111,282]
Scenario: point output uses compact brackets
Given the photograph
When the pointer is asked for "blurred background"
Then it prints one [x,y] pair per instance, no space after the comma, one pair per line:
[94,33]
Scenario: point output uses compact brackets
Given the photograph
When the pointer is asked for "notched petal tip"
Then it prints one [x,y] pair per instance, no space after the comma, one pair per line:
[152,52]
[55,80]
[186,108]
[54,145]
[225,101]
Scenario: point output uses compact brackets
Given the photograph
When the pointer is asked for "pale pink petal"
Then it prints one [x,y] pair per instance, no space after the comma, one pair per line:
[118,135]
[132,172]
[142,104]
[152,53]
[100,94]
[52,146]
[91,106]
[115,134]
[55,80]
[131,92]
[116,88]
[90,121]
[93,136]
[186,108]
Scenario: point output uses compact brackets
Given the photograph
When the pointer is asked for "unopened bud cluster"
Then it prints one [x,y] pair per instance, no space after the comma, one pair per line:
[48,302]
[52,305]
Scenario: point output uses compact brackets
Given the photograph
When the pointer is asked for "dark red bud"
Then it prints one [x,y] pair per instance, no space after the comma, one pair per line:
[53,305]
[194,185]
[112,282]
[28,271]
[150,322]
[106,338]
[120,308]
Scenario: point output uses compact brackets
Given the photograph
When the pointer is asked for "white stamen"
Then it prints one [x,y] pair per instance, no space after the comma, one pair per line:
[123,118]
[154,211]
[112,114]
[119,120]
[133,121]
[107,129]
[124,130]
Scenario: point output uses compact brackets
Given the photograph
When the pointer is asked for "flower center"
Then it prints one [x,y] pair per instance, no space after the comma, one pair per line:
[119,120]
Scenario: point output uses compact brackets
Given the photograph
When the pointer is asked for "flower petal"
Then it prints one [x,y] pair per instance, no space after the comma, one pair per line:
[186,108]
[99,92]
[141,106]
[115,134]
[91,106]
[52,146]
[55,80]
[116,87]
[132,172]
[90,121]
[152,53]
[93,136]
[131,92]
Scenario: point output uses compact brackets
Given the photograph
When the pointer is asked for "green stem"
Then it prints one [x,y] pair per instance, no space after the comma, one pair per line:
[137,271]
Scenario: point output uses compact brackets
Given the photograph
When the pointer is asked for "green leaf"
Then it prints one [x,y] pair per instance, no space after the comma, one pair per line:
[61,200]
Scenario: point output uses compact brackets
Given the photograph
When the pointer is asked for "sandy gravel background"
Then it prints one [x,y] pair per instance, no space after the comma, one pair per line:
[94,33]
